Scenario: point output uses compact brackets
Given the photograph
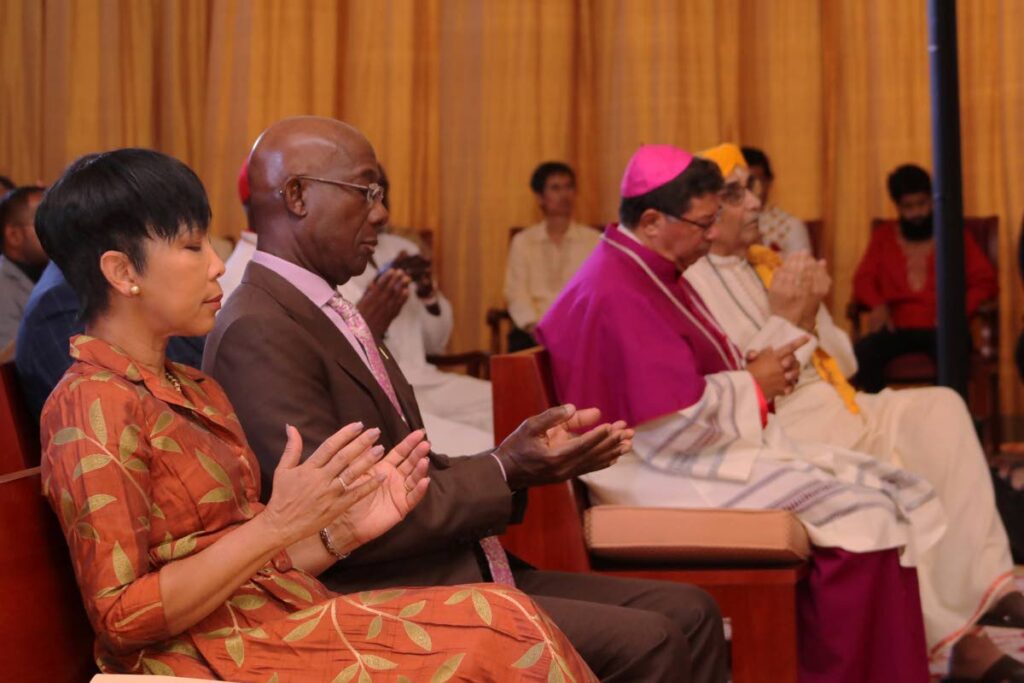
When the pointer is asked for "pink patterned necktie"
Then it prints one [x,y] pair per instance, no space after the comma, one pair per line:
[497,560]
[350,314]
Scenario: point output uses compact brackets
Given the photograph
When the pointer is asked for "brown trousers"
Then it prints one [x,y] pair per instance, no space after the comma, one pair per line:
[632,629]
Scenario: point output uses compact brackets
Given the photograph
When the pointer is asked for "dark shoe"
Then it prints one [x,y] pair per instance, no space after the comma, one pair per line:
[1007,613]
[1005,670]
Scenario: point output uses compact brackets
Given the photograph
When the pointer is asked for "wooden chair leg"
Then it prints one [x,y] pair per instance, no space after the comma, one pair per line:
[764,633]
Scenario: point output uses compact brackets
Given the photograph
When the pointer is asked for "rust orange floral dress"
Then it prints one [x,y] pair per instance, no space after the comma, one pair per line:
[141,475]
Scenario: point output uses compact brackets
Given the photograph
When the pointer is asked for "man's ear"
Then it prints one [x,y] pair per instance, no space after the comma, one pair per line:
[294,197]
[117,268]
[650,222]
[14,236]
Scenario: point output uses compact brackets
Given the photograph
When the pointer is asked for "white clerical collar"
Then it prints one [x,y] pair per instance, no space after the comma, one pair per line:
[628,232]
[725,261]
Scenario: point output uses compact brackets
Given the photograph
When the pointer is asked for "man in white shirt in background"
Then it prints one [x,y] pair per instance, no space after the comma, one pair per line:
[543,257]
[403,307]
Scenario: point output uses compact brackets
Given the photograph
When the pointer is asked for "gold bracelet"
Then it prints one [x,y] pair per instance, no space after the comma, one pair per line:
[325,538]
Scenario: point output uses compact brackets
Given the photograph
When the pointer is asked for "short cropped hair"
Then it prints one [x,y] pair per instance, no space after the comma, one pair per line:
[699,178]
[386,185]
[549,168]
[6,184]
[13,203]
[114,201]
[756,157]
[908,179]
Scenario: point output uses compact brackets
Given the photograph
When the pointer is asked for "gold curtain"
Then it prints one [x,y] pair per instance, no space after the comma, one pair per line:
[462,98]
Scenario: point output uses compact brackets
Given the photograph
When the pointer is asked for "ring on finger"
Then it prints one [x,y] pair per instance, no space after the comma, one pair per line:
[408,488]
[344,484]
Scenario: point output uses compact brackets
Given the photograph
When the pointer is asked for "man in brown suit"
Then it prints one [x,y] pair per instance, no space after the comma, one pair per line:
[287,350]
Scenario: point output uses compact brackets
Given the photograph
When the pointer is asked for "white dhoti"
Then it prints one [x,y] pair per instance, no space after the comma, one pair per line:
[928,432]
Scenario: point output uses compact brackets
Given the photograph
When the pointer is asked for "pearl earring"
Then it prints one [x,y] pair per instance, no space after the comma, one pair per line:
[134,290]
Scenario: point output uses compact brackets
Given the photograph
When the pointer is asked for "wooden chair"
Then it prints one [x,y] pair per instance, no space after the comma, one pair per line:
[755,588]
[919,368]
[19,434]
[45,634]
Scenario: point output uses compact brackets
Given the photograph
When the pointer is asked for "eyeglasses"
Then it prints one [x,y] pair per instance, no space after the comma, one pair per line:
[374,192]
[703,226]
[733,193]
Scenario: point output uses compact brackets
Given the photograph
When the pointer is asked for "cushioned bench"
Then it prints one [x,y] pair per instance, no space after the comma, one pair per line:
[749,560]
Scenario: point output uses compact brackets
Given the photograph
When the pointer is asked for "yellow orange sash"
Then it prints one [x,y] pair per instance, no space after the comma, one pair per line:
[765,261]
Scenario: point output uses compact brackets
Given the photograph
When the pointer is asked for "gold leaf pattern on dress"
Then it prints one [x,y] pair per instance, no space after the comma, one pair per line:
[136,614]
[162,422]
[413,609]
[129,442]
[530,657]
[236,648]
[87,531]
[369,598]
[301,631]
[418,635]
[247,602]
[218,633]
[166,443]
[122,565]
[214,470]
[562,664]
[458,596]
[347,674]
[68,512]
[375,627]
[308,612]
[181,647]
[555,673]
[68,435]
[293,587]
[155,667]
[448,669]
[95,502]
[378,663]
[90,463]
[482,607]
[136,465]
[220,495]
[96,421]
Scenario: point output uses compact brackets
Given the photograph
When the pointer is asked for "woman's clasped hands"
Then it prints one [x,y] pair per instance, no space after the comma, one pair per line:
[347,484]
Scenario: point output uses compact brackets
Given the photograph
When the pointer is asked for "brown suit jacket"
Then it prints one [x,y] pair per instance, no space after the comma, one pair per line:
[281,360]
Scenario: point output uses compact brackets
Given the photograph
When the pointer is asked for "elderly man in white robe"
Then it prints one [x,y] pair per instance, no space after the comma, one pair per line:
[760,300]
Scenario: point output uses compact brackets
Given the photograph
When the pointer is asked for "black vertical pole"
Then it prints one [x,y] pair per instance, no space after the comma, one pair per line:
[949,210]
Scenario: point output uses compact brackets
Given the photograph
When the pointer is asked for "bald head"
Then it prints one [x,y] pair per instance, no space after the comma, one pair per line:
[325,227]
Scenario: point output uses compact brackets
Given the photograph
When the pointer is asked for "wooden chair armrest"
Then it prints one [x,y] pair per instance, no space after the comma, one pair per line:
[495,317]
[477,362]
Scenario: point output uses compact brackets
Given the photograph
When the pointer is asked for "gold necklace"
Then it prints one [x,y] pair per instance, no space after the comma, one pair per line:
[173,380]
